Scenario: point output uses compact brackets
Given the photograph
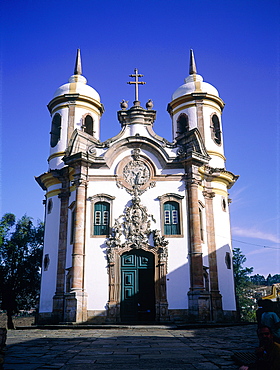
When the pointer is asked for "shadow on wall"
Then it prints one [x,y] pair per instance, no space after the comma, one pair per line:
[139,297]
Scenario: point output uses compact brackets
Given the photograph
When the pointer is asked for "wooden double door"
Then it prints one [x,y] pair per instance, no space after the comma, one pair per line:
[137,286]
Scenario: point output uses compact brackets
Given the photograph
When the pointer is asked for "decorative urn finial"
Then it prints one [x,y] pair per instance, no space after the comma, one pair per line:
[149,104]
[124,104]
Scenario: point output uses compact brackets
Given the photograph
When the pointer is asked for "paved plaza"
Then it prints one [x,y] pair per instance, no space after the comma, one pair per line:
[142,347]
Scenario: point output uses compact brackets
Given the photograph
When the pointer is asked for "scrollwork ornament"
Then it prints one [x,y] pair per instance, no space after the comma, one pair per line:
[92,150]
[181,153]
[159,240]
[110,256]
[133,229]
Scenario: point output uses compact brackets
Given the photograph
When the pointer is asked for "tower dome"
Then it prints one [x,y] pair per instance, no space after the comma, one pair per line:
[77,84]
[194,83]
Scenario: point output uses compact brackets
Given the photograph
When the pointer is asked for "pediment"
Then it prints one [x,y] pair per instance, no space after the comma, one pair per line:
[191,148]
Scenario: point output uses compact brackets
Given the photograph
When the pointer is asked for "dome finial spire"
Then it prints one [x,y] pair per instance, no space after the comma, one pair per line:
[192,70]
[78,64]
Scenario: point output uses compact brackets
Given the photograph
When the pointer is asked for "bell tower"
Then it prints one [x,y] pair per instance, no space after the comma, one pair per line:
[196,111]
[196,104]
[75,105]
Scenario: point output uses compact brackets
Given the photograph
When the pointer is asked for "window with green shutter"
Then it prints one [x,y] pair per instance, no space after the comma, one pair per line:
[171,218]
[101,218]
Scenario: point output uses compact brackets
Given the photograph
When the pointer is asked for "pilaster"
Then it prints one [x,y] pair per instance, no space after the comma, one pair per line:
[216,298]
[199,117]
[58,299]
[76,299]
[71,118]
[199,299]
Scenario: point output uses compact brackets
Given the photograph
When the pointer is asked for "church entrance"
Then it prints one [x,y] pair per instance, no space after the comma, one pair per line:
[137,286]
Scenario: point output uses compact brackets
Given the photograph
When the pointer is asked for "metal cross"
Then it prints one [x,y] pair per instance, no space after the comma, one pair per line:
[136,82]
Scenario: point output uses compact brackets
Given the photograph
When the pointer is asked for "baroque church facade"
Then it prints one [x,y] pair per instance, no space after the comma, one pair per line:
[137,228]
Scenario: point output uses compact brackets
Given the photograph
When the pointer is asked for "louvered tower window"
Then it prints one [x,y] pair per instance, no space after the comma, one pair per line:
[216,129]
[56,130]
[88,125]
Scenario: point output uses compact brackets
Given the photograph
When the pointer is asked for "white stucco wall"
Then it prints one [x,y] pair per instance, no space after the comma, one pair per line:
[223,243]
[96,276]
[48,279]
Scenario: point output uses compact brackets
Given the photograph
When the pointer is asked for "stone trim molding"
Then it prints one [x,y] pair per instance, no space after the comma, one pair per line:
[95,199]
[167,198]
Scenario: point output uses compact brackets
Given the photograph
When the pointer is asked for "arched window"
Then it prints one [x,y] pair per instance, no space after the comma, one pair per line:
[224,204]
[101,218]
[50,205]
[216,129]
[88,124]
[171,218]
[228,260]
[182,124]
[56,130]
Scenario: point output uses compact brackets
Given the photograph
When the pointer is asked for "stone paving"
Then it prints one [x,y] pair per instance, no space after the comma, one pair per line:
[144,347]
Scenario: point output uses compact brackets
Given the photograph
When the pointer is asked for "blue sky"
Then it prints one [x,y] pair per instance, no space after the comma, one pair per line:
[237,49]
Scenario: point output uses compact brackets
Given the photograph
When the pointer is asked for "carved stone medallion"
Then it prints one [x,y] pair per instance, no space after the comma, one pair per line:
[136,173]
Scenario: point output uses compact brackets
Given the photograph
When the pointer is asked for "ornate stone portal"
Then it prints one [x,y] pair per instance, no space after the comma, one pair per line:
[132,230]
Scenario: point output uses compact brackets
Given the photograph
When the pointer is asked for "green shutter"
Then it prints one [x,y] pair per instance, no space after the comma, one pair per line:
[101,218]
[171,218]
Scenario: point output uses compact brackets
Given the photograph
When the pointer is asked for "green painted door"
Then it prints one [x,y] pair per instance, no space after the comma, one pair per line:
[137,286]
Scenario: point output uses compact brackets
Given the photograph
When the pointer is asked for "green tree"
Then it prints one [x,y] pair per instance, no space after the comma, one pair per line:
[274,279]
[21,246]
[258,279]
[243,286]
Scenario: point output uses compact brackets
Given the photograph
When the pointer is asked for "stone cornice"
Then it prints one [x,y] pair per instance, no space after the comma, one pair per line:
[220,175]
[136,114]
[194,97]
[142,142]
[73,98]
[47,179]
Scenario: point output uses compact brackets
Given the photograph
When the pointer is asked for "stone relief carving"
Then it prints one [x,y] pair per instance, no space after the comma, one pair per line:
[132,229]
[136,173]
